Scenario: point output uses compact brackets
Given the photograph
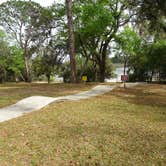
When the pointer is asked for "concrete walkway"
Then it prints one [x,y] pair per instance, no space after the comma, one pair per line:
[37,102]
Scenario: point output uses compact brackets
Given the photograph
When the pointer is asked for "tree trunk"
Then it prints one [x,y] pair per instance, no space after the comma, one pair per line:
[27,68]
[95,71]
[48,78]
[102,67]
[21,75]
[102,74]
[71,41]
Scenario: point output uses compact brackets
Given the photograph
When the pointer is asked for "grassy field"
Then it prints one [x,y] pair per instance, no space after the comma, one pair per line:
[11,93]
[123,127]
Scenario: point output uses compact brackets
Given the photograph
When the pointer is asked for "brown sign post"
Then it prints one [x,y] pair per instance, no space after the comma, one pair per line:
[124,78]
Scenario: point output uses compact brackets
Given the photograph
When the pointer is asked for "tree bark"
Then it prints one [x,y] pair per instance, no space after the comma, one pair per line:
[27,68]
[102,63]
[48,78]
[102,67]
[71,41]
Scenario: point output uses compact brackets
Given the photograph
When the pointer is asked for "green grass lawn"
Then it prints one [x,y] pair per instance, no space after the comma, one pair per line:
[123,127]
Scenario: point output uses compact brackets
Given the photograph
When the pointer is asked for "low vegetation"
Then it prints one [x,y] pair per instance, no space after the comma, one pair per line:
[123,127]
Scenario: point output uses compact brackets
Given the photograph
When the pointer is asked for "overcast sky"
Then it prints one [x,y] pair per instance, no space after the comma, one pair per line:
[42,2]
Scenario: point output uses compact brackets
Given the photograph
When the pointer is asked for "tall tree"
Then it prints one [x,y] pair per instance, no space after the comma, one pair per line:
[71,41]
[28,23]
[49,59]
[156,55]
[129,44]
[97,24]
[151,16]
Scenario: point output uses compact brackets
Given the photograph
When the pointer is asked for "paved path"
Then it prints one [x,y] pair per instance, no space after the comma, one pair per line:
[37,102]
[34,103]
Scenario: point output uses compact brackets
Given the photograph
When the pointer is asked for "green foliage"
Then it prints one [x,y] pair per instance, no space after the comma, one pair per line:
[4,53]
[16,61]
[150,61]
[129,42]
[98,28]
[156,55]
[11,59]
[87,68]
[83,68]
[49,60]
[29,25]
[2,35]
[118,59]
[95,19]
[96,25]
[18,15]
[153,15]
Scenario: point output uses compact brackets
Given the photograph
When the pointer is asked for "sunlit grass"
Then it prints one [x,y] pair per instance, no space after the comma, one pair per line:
[113,129]
[11,93]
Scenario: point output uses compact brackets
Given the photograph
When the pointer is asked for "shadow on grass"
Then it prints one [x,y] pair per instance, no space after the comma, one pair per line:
[150,95]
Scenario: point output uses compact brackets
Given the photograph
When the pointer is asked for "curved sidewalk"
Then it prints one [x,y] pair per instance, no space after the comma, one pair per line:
[37,102]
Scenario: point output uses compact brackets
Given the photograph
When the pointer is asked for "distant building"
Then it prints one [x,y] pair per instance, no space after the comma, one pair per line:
[118,72]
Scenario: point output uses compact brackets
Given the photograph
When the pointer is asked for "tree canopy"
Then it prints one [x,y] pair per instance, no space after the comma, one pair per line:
[80,36]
